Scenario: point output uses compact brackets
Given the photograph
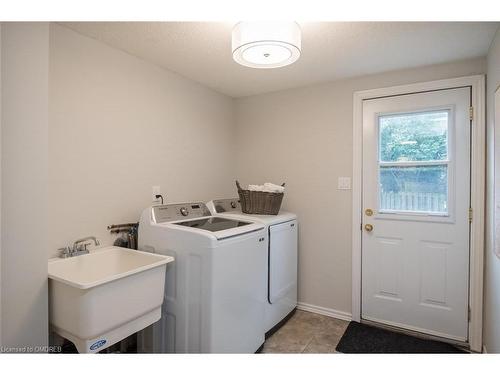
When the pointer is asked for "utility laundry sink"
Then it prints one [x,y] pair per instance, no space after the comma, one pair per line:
[98,299]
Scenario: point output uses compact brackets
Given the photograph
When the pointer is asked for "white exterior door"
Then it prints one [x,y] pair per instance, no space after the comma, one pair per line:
[416,199]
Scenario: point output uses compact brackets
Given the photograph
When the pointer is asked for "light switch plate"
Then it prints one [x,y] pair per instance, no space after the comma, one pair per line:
[344,183]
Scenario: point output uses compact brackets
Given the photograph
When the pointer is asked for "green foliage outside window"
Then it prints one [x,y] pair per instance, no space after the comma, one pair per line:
[414,137]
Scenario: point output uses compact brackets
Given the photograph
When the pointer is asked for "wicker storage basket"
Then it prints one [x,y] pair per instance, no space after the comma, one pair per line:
[259,202]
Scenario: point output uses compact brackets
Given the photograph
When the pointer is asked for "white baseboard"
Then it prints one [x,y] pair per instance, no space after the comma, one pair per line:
[324,311]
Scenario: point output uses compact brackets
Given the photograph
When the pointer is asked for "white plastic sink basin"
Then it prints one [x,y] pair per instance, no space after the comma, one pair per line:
[97,299]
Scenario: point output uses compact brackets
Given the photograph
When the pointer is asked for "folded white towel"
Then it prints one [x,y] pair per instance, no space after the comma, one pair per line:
[267,187]
[256,187]
[274,188]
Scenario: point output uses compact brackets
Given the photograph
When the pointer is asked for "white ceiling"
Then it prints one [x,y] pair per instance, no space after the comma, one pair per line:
[201,51]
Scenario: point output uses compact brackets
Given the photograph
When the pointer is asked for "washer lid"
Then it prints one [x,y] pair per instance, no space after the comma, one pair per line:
[268,220]
[213,224]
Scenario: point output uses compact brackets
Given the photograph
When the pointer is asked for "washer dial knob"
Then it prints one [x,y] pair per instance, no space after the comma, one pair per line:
[184,211]
[233,204]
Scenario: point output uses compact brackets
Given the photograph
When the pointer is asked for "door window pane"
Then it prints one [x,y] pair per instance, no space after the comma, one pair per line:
[414,136]
[417,189]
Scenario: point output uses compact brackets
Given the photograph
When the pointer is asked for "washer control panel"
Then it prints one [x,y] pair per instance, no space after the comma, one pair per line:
[173,212]
[227,205]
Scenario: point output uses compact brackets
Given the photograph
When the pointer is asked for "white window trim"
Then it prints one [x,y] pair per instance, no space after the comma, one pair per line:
[477,83]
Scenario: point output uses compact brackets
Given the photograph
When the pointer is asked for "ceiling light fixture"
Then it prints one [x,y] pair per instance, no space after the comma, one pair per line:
[266,44]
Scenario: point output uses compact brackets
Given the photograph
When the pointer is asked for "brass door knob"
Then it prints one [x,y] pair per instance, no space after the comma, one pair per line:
[368,227]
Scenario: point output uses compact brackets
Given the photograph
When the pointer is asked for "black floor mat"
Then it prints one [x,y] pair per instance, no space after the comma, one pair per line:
[361,338]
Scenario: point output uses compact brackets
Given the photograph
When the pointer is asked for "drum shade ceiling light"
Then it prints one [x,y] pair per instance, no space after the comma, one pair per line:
[266,44]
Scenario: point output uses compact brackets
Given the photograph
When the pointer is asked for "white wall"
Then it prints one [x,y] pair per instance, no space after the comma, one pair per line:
[491,328]
[118,126]
[304,137]
[0,183]
[24,158]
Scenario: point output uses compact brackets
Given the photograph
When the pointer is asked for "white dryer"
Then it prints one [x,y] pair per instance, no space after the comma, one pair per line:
[215,290]
[282,257]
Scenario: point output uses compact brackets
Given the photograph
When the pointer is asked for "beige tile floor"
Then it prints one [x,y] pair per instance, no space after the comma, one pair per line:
[306,332]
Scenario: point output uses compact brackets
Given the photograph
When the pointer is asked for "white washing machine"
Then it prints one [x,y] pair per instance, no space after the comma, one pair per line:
[215,290]
[281,265]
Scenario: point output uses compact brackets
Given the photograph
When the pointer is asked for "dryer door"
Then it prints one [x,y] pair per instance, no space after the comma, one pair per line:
[282,259]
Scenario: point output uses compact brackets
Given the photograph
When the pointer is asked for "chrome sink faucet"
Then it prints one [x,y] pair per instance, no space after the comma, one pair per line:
[79,247]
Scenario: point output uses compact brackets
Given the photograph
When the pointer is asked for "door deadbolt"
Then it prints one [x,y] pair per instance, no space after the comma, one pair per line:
[368,212]
[368,227]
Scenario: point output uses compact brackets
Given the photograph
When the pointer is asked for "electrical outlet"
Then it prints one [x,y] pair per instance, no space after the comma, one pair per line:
[156,191]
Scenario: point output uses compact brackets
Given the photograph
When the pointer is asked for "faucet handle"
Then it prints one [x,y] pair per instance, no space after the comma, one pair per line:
[64,252]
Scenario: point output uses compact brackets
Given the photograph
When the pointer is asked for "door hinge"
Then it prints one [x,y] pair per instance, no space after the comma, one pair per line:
[468,314]
[470,214]
[471,113]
